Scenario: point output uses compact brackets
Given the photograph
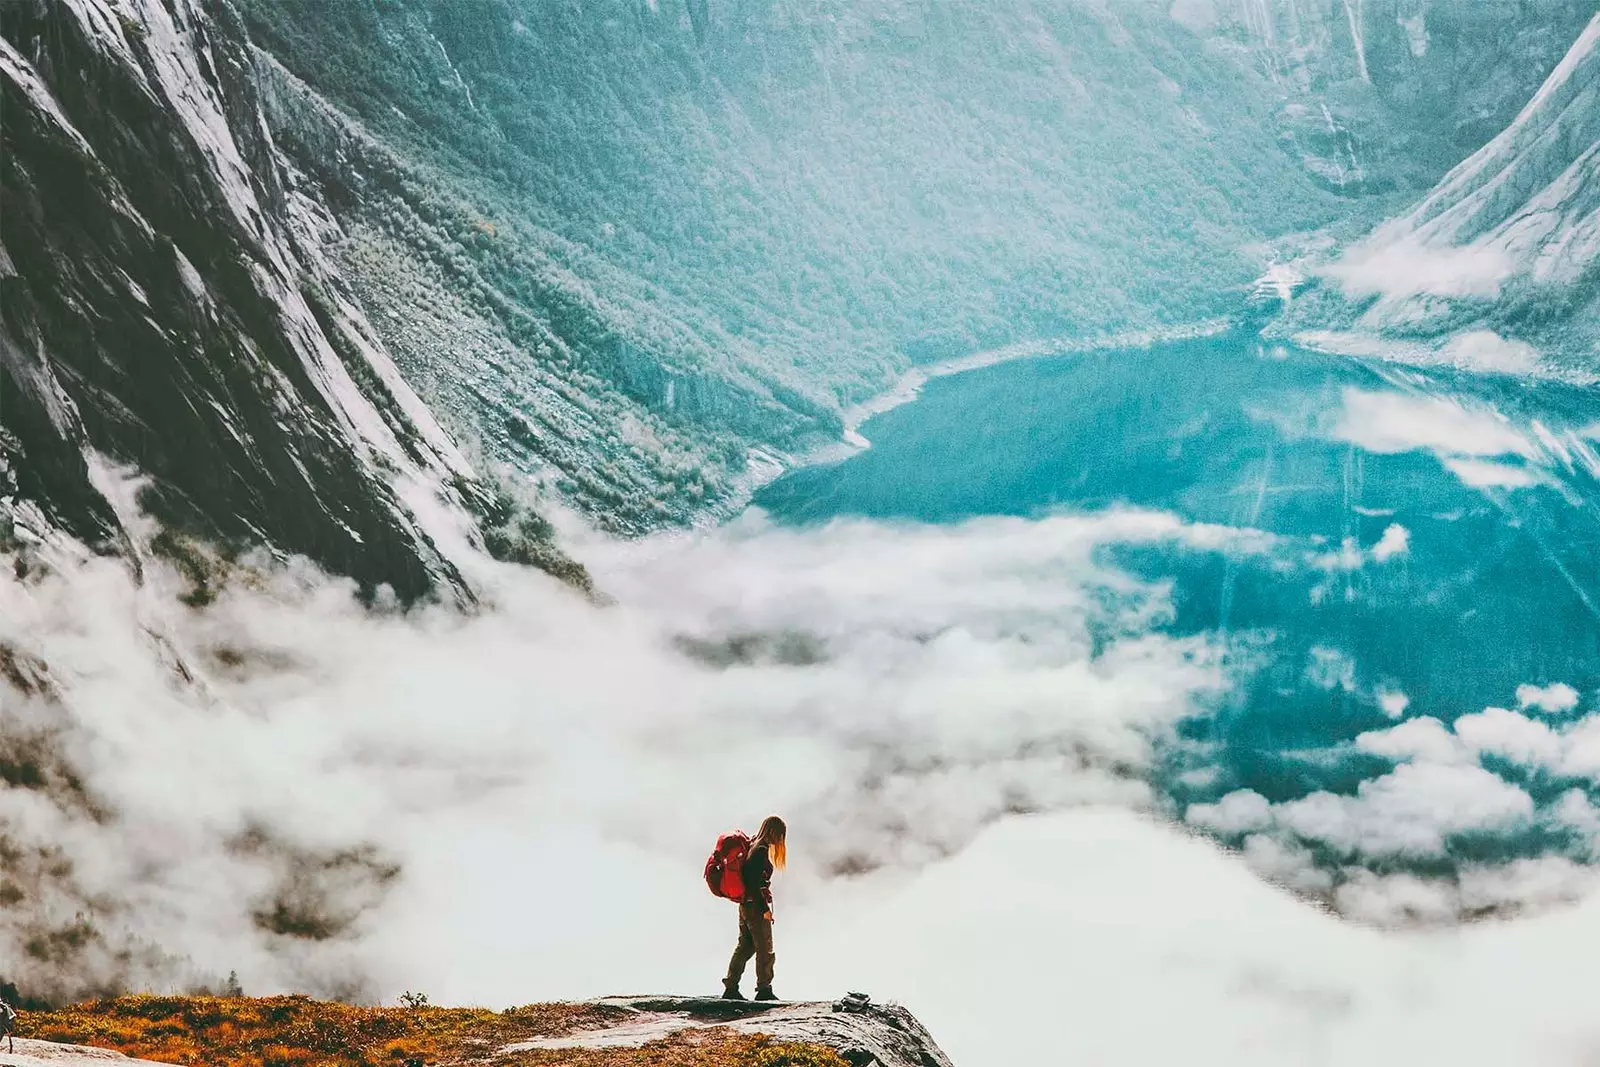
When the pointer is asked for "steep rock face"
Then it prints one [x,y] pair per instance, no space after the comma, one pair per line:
[1499,265]
[522,340]
[157,308]
[1388,94]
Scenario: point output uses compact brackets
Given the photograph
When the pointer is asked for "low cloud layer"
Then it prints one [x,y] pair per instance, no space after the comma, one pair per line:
[1121,941]
[1494,811]
[1399,268]
[293,787]
[966,726]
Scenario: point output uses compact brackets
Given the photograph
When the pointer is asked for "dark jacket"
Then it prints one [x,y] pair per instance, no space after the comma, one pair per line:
[757,872]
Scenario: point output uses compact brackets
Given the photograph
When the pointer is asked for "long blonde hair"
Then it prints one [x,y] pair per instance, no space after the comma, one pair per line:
[775,835]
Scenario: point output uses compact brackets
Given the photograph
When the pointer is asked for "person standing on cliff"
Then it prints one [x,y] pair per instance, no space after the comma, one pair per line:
[768,853]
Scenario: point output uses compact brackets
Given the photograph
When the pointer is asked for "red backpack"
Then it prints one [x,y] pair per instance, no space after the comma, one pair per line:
[725,868]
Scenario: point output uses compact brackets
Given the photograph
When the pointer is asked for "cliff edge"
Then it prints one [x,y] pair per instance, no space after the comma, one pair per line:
[863,1033]
[634,1031]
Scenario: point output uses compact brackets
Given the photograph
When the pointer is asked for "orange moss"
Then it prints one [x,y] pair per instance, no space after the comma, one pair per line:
[297,1031]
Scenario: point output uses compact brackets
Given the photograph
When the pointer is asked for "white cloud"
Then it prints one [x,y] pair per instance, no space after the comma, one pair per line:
[1410,811]
[1422,738]
[1239,973]
[1582,756]
[1393,702]
[1286,863]
[1349,556]
[893,690]
[1555,698]
[1504,733]
[1572,750]
[1240,812]
[1396,541]
[1402,899]
[1483,474]
[1478,445]
[1389,422]
[1575,811]
[1394,900]
[1399,268]
[1328,668]
[1485,350]
[1526,883]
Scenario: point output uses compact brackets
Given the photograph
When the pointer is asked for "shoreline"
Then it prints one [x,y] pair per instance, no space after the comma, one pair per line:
[768,465]
[908,387]
[910,384]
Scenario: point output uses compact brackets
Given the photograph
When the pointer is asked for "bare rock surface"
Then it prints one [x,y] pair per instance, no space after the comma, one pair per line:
[51,1054]
[865,1034]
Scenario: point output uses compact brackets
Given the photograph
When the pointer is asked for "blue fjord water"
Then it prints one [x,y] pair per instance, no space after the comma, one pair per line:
[1436,533]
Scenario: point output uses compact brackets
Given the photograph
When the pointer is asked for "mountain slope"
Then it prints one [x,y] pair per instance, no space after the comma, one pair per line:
[253,249]
[1390,94]
[699,241]
[157,310]
[1502,258]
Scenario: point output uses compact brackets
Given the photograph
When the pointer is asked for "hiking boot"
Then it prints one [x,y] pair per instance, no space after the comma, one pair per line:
[730,991]
[765,993]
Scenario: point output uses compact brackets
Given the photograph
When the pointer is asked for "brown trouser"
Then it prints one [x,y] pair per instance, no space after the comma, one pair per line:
[755,939]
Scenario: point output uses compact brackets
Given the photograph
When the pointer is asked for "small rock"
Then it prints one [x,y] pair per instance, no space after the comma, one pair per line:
[852,1002]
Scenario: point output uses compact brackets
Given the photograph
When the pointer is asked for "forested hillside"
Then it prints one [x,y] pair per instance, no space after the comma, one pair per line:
[645,250]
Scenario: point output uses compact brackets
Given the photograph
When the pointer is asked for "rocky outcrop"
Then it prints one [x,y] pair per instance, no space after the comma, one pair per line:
[864,1033]
[663,1031]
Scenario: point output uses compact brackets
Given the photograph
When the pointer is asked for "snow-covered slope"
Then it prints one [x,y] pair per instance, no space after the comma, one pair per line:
[1499,265]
